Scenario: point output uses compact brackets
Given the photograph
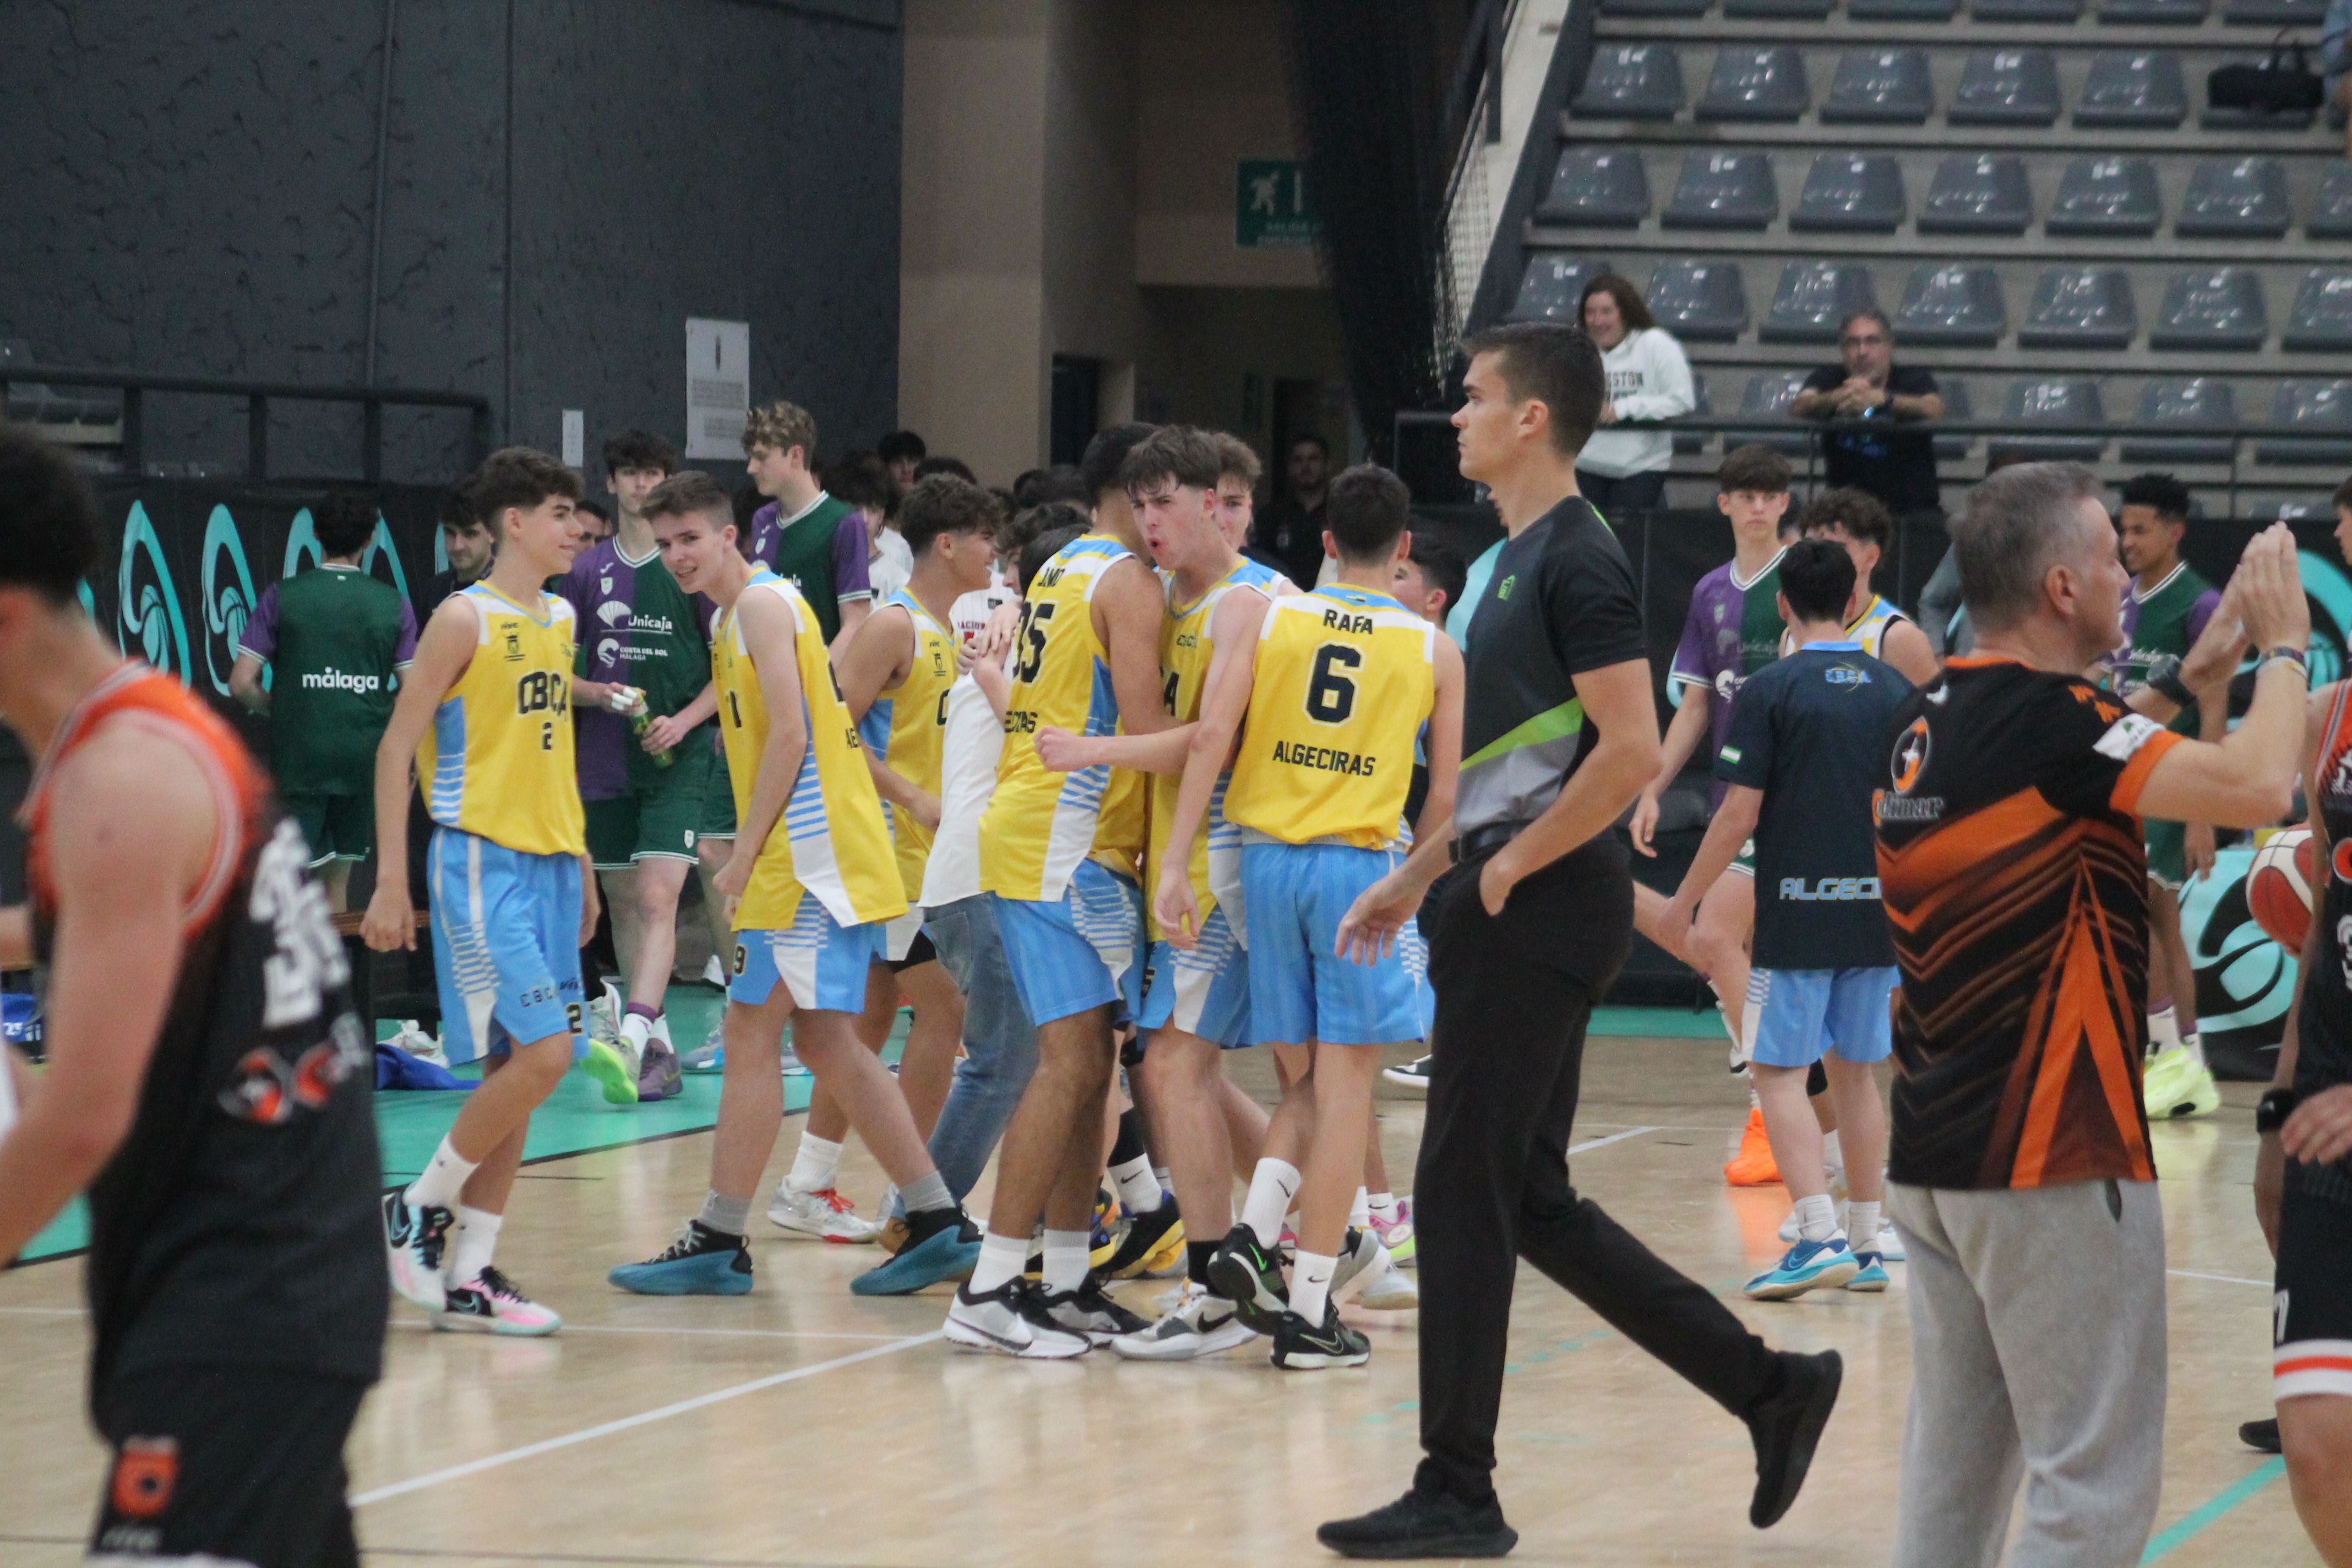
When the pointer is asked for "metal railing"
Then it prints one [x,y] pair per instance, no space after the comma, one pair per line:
[259,396]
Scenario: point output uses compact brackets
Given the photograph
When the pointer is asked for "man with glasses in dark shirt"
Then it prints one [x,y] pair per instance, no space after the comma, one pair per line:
[1560,734]
[1896,465]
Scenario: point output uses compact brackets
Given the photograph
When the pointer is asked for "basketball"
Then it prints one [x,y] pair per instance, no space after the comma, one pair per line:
[2278,889]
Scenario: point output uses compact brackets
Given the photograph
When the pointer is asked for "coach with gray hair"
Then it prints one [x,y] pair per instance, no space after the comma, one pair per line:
[2020,1173]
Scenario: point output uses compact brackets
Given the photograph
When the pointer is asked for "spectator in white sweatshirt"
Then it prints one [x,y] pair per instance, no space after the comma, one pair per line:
[1626,469]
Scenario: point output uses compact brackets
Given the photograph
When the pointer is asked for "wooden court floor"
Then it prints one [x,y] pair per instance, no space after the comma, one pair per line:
[802,1426]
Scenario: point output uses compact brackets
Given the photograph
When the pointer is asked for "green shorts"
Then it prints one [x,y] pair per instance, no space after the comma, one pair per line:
[717,816]
[659,821]
[336,826]
[2167,853]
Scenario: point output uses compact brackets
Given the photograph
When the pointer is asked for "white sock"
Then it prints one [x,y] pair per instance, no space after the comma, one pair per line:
[661,1031]
[1002,1258]
[1385,1207]
[1159,1175]
[1065,1260]
[2163,1031]
[1310,1286]
[1138,1189]
[442,1179]
[1834,1162]
[2196,1044]
[1359,1212]
[1816,1218]
[471,1242]
[1862,1225]
[1272,1186]
[815,1164]
[635,1030]
[1754,1102]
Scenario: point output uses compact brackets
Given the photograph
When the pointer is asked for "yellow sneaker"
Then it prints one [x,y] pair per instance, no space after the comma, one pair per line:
[1753,1166]
[2175,1084]
[611,1067]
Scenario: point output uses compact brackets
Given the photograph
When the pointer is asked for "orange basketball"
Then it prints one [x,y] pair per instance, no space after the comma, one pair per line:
[2279,887]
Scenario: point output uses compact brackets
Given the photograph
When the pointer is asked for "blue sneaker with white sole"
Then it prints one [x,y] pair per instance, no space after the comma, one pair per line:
[941,1246]
[1872,1276]
[700,1262]
[1809,1265]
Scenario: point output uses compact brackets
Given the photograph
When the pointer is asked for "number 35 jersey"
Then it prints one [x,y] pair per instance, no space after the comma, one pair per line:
[1345,679]
[498,762]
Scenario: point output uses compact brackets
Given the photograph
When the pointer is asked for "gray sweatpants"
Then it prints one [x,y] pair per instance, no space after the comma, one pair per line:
[2037,1349]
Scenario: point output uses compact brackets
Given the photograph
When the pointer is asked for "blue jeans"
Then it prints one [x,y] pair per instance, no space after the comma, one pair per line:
[1000,1042]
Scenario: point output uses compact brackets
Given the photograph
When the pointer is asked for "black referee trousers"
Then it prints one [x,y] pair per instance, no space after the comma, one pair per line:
[1515,993]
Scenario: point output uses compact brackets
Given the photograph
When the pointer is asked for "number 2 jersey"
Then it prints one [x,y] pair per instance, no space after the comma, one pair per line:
[498,760]
[1344,680]
[237,1224]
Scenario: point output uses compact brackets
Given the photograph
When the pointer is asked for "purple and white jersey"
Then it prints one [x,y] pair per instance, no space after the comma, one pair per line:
[638,627]
[1732,631]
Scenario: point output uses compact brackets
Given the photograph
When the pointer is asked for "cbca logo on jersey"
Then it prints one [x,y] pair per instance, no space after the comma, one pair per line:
[228,600]
[1845,675]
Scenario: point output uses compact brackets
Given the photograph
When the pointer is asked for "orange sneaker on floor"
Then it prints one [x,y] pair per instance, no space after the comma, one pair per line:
[1753,1166]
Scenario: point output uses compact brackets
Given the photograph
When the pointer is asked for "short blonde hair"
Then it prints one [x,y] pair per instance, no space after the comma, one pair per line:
[781,426]
[1240,461]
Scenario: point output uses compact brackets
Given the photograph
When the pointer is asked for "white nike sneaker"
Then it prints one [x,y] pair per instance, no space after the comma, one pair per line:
[1890,1245]
[825,1215]
[1197,1322]
[604,1023]
[1388,1288]
[491,1304]
[1361,1257]
[413,1039]
[714,973]
[1011,1320]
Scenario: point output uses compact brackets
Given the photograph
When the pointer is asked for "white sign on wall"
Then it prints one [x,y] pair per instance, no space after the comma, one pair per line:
[717,386]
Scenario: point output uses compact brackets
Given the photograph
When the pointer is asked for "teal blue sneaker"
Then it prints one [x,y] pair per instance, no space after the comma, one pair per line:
[1806,1266]
[700,1262]
[942,1244]
[1872,1276]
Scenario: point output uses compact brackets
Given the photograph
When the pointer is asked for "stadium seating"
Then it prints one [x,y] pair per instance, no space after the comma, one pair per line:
[2007,86]
[2331,210]
[2244,198]
[2211,309]
[1631,82]
[2311,406]
[2068,400]
[1813,299]
[2081,307]
[1958,405]
[2320,319]
[1758,84]
[1860,192]
[1978,193]
[1553,285]
[1705,301]
[1602,187]
[2145,90]
[1769,393]
[1880,87]
[2108,195]
[2189,402]
[1957,306]
[1723,190]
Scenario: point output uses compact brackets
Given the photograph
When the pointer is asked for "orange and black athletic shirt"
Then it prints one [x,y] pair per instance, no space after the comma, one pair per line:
[2016,883]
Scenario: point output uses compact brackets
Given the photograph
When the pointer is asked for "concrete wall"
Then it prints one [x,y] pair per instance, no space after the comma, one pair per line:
[191,190]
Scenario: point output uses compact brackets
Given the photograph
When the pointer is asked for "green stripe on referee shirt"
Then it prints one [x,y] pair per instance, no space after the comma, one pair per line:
[1548,725]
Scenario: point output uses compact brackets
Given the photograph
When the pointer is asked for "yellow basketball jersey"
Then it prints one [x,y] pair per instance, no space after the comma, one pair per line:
[1345,679]
[1186,650]
[907,728]
[830,840]
[497,759]
[1040,824]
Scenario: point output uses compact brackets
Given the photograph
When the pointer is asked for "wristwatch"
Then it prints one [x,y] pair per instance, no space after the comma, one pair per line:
[2276,1106]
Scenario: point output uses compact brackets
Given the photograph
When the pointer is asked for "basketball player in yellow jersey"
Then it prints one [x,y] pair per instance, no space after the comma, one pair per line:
[1058,854]
[812,884]
[895,672]
[485,713]
[1335,691]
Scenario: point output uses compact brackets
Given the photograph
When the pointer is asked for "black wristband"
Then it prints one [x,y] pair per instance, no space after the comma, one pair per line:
[2168,685]
[2276,1106]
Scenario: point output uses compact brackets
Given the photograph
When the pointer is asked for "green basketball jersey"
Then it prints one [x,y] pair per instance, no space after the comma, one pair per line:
[333,638]
[804,557]
[2165,620]
[638,627]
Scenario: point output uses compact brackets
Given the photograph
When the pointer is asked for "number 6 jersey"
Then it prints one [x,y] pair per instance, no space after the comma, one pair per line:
[498,762]
[1345,679]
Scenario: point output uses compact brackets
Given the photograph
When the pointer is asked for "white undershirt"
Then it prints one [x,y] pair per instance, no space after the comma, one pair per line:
[968,758]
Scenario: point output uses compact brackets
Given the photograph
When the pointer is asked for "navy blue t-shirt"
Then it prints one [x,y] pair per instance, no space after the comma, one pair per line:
[1810,732]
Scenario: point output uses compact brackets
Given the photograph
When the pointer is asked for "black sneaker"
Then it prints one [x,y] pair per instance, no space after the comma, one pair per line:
[1147,1237]
[2261,1435]
[1011,1320]
[1301,1346]
[1423,1524]
[1087,1311]
[1245,1272]
[1785,1424]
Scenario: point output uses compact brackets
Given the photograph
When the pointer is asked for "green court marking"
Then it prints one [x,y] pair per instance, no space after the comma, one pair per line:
[410,1124]
[2228,1498]
[1658,1023]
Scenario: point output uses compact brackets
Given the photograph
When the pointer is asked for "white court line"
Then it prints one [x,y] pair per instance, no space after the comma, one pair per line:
[46,1311]
[1612,1138]
[724,1334]
[643,1418]
[2224,1279]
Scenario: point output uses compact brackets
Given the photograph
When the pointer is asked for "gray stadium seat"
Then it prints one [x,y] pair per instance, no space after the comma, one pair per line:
[1980,193]
[1883,86]
[1723,190]
[2315,405]
[2145,90]
[1752,82]
[1954,305]
[2106,196]
[1851,192]
[1956,405]
[2211,308]
[2238,198]
[2195,403]
[1631,82]
[2007,86]
[2275,13]
[2152,13]
[1769,393]
[1705,302]
[2080,306]
[1552,288]
[2025,10]
[1813,300]
[1600,187]
[1654,7]
[1902,10]
[2331,210]
[1795,10]
[2320,319]
[2063,400]
[1687,442]
[2280,509]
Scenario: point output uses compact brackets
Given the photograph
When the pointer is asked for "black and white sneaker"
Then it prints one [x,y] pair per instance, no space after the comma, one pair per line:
[1198,1322]
[1087,1311]
[412,1241]
[1412,1075]
[490,1303]
[1245,1272]
[1299,1346]
[1010,1320]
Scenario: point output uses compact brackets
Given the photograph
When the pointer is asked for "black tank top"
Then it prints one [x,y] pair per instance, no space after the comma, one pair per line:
[2323,1027]
[237,1222]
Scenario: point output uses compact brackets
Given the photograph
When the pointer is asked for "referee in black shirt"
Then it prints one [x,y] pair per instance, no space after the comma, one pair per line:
[1559,735]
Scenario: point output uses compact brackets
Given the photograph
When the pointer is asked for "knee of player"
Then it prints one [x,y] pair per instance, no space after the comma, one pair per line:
[543,1062]
[2316,1433]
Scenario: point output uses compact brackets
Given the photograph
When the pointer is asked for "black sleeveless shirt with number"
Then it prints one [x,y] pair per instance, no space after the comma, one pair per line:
[2323,1027]
[237,1222]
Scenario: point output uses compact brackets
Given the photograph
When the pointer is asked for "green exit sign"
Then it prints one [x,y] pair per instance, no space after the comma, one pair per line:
[1271,211]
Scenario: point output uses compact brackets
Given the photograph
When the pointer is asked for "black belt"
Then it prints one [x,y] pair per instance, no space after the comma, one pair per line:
[1479,840]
